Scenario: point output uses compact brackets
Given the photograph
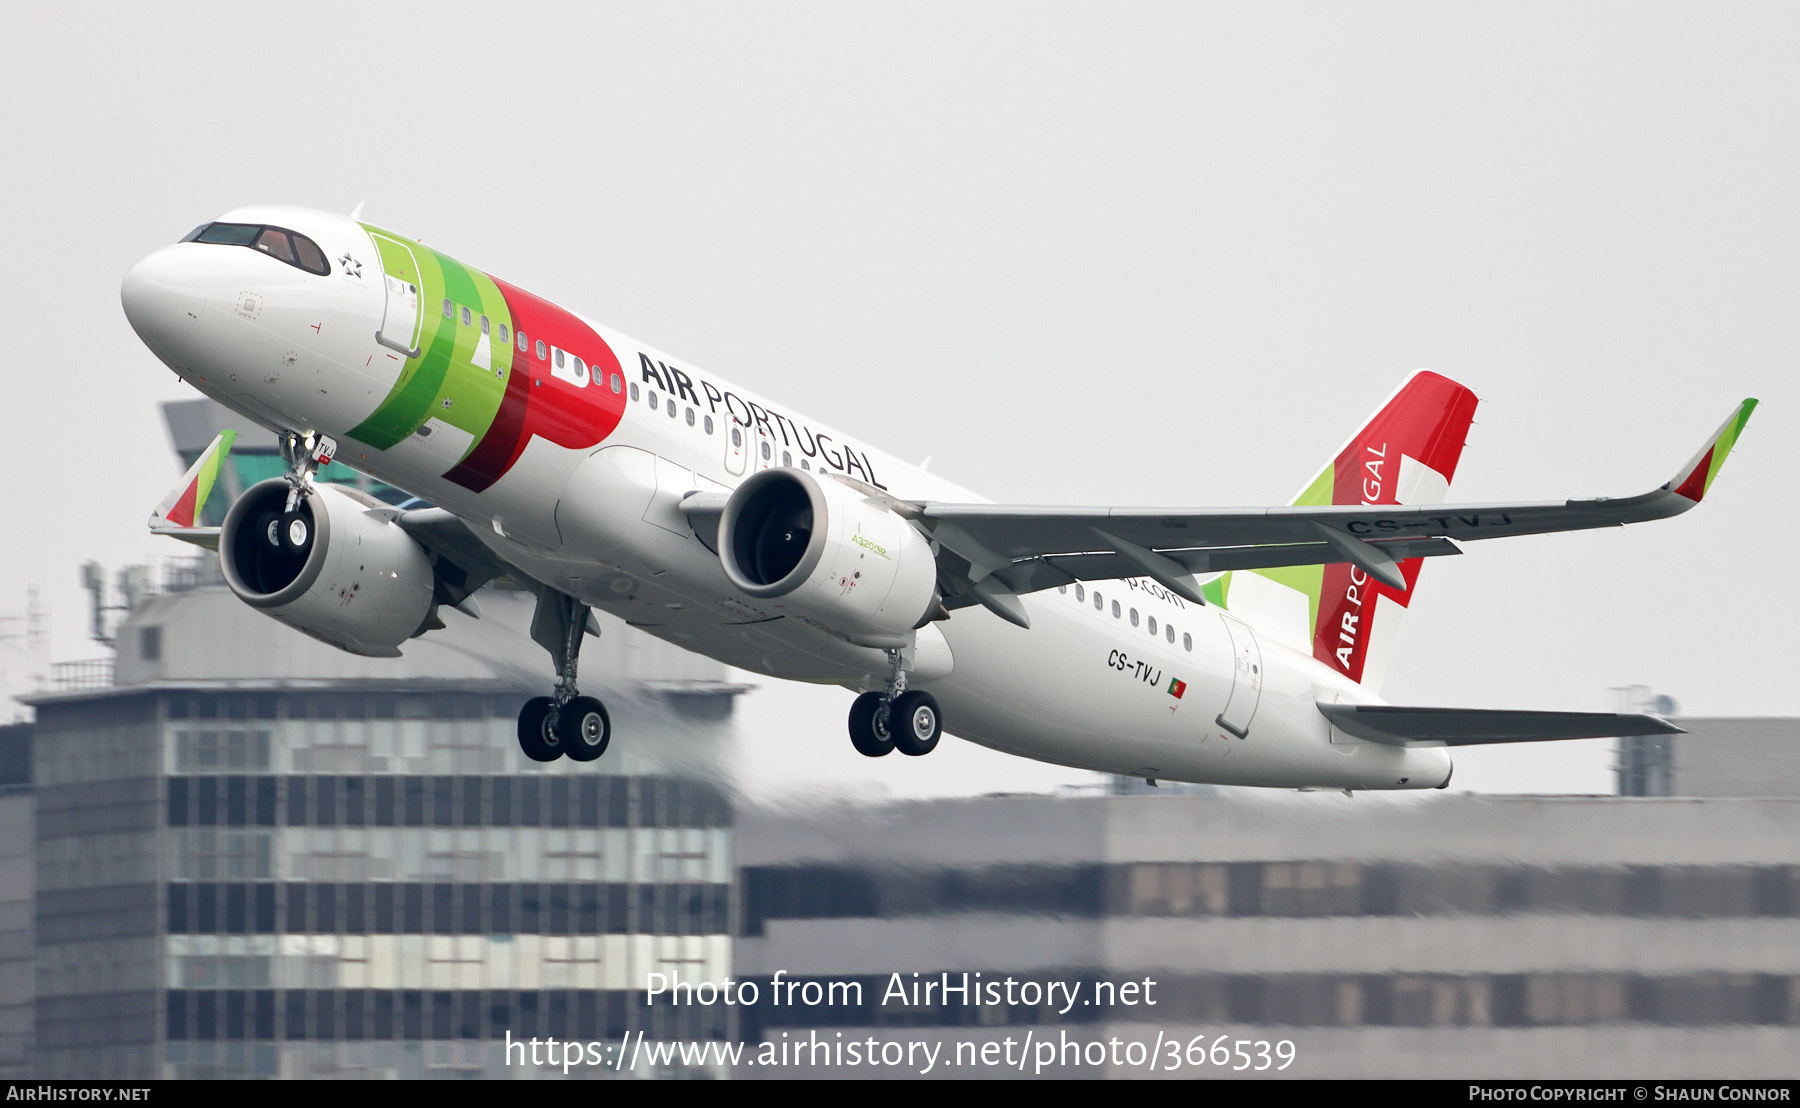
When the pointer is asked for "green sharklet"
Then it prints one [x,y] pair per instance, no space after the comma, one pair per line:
[444,381]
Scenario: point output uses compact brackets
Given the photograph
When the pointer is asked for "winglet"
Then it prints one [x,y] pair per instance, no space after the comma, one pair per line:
[179,512]
[1697,476]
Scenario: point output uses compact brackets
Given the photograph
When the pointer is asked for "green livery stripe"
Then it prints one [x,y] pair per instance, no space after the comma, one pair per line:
[1727,439]
[1306,579]
[443,381]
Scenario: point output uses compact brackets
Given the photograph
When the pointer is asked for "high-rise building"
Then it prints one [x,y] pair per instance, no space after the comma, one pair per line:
[259,856]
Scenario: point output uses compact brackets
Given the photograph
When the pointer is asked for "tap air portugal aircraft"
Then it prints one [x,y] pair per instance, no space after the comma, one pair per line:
[1240,646]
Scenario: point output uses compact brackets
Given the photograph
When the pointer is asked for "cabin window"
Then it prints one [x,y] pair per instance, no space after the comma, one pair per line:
[765,451]
[1099,603]
[503,337]
[1169,629]
[542,353]
[737,436]
[690,417]
[558,359]
[1115,609]
[484,325]
[672,408]
[617,383]
[708,422]
[634,392]
[653,400]
[1134,617]
[1064,589]
[1079,594]
[448,309]
[465,313]
[804,464]
[787,459]
[1187,641]
[1152,626]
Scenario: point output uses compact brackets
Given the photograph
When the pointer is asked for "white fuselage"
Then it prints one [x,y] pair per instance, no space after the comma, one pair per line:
[1090,684]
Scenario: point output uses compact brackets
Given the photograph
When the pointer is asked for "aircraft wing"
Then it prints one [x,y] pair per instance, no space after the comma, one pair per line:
[1002,550]
[460,562]
[1401,726]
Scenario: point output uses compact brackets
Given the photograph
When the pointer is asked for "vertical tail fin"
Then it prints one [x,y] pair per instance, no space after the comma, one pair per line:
[1405,454]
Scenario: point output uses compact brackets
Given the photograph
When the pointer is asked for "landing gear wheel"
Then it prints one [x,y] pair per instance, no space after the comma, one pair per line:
[536,738]
[869,726]
[916,723]
[585,728]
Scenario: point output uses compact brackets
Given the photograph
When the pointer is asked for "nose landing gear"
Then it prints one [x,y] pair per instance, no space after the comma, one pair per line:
[895,719]
[566,722]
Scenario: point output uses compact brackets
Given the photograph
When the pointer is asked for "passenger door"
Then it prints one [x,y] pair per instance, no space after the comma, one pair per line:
[400,324]
[1246,678]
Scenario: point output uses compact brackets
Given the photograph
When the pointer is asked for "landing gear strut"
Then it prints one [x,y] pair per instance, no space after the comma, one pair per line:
[304,452]
[895,719]
[565,722]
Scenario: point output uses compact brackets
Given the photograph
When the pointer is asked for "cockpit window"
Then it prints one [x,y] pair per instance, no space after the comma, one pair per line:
[294,249]
[311,258]
[227,234]
[276,242]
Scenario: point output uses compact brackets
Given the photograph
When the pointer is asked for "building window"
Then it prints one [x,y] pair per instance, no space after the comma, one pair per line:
[200,750]
[208,854]
[150,644]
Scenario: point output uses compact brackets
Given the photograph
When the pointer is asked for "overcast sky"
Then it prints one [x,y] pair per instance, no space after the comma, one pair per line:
[1101,254]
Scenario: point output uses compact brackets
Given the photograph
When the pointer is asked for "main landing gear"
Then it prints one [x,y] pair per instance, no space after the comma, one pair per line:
[566,722]
[895,719]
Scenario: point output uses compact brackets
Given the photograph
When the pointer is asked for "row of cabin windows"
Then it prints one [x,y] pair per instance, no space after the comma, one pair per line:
[564,363]
[1168,629]
[658,403]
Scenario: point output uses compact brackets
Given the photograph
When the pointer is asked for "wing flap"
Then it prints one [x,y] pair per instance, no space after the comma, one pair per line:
[1406,726]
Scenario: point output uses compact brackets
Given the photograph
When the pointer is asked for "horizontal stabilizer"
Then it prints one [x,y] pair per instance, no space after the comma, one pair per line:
[1401,726]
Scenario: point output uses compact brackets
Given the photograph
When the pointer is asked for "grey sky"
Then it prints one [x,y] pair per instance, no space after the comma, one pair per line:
[1142,254]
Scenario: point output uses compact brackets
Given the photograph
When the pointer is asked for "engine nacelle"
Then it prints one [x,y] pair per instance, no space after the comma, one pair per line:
[822,553]
[359,582]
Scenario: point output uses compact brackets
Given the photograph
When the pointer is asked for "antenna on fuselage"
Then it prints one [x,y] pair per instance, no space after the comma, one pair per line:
[356,212]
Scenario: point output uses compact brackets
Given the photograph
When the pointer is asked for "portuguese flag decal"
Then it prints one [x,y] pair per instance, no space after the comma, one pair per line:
[1177,687]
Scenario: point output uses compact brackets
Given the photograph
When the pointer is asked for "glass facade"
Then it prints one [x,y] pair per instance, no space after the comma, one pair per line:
[359,881]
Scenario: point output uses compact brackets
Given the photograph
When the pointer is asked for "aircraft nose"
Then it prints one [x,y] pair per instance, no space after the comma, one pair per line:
[163,296]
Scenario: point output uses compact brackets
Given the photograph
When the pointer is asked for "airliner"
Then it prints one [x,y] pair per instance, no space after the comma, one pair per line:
[1235,646]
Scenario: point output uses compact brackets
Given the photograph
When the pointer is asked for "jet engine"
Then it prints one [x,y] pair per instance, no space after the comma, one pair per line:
[337,567]
[822,552]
